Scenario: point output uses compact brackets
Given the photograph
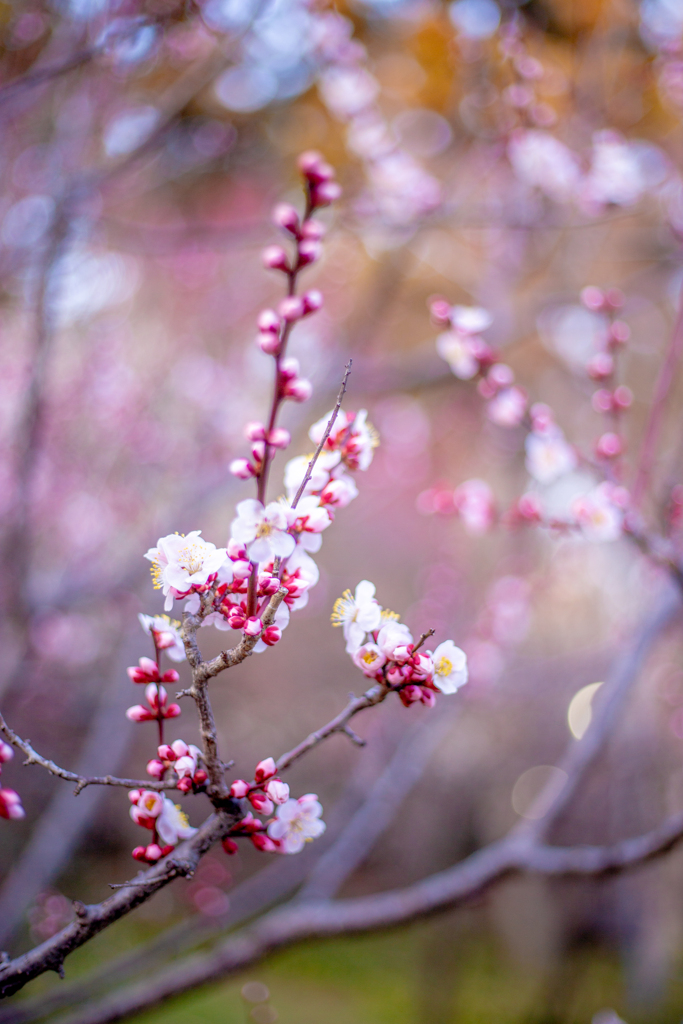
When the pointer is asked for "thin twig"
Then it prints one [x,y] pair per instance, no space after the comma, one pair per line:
[323,439]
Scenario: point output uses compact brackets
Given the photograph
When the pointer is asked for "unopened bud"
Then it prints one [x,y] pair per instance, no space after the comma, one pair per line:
[265,769]
[236,549]
[312,300]
[156,769]
[268,321]
[242,469]
[600,366]
[172,711]
[325,194]
[279,438]
[310,251]
[255,431]
[253,626]
[623,397]
[263,842]
[299,390]
[609,446]
[593,298]
[313,229]
[619,333]
[230,846]
[239,789]
[286,217]
[314,167]
[291,308]
[184,784]
[271,635]
[269,342]
[274,258]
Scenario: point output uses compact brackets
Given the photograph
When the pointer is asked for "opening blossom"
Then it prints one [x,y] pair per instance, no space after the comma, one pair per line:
[598,514]
[357,615]
[296,823]
[166,634]
[548,456]
[263,530]
[182,563]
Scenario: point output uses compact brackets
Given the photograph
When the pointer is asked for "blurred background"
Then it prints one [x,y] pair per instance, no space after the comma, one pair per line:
[497,154]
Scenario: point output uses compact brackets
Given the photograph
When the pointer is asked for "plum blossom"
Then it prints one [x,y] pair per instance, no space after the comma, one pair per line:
[541,160]
[470,319]
[10,805]
[507,408]
[615,177]
[460,354]
[296,823]
[295,471]
[172,823]
[308,520]
[166,633]
[358,614]
[450,667]
[351,435]
[369,659]
[392,636]
[598,514]
[474,503]
[181,563]
[548,456]
[262,530]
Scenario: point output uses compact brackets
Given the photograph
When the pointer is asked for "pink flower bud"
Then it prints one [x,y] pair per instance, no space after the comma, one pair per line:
[269,342]
[230,846]
[236,618]
[236,549]
[602,400]
[310,251]
[184,784]
[274,258]
[600,366]
[134,795]
[170,676]
[593,298]
[609,446]
[261,803]
[501,375]
[242,469]
[279,438]
[140,853]
[622,397]
[529,507]
[156,768]
[619,333]
[428,697]
[172,711]
[180,748]
[289,368]
[253,626]
[325,194]
[614,298]
[156,696]
[268,321]
[255,431]
[199,777]
[313,229]
[277,791]
[291,308]
[139,714]
[314,167]
[264,843]
[166,753]
[153,853]
[271,635]
[185,766]
[299,390]
[145,672]
[410,694]
[239,789]
[286,217]
[6,752]
[312,300]
[265,769]
[258,450]
[10,805]
[241,570]
[440,312]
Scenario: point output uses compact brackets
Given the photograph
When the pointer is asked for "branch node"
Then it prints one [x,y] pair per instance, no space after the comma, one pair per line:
[354,737]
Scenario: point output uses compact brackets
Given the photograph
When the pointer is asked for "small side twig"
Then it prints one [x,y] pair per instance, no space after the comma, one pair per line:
[326,434]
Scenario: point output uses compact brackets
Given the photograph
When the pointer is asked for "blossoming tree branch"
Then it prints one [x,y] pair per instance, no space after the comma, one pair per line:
[251,586]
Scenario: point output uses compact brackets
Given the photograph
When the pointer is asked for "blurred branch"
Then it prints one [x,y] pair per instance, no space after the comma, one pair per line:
[521,851]
[32,757]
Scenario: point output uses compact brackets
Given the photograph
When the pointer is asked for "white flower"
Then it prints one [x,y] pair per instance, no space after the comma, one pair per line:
[458,352]
[180,563]
[296,823]
[309,516]
[474,502]
[358,449]
[359,614]
[295,471]
[262,530]
[172,824]
[167,632]
[615,176]
[507,408]
[369,659]
[539,159]
[391,636]
[599,517]
[470,319]
[340,491]
[450,667]
[548,456]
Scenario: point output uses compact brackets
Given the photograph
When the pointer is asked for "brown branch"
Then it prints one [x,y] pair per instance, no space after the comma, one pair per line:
[328,428]
[322,918]
[90,920]
[33,757]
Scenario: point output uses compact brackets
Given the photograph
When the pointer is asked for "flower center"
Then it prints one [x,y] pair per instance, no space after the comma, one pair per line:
[444,667]
[369,657]
[263,529]
[190,559]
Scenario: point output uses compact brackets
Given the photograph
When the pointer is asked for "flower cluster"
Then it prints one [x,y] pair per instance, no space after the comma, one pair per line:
[384,650]
[10,802]
[181,758]
[599,514]
[295,822]
[165,819]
